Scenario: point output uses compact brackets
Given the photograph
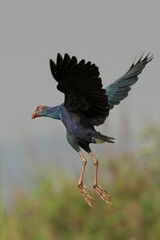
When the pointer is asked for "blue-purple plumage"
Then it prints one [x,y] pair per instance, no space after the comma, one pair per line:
[87,104]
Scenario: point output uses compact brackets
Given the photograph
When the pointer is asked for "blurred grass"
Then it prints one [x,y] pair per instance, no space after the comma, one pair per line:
[52,211]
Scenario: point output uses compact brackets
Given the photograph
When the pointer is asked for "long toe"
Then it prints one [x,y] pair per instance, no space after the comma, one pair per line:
[102,193]
[86,195]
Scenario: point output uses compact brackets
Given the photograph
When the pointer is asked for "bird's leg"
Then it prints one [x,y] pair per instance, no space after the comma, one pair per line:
[102,193]
[83,189]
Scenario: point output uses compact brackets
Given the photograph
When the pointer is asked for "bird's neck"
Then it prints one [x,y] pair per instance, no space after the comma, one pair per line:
[53,112]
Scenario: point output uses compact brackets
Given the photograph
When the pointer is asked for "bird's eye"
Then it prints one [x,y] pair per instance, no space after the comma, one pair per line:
[38,109]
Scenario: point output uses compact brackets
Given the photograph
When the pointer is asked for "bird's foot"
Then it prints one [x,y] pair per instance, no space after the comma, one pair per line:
[102,193]
[86,194]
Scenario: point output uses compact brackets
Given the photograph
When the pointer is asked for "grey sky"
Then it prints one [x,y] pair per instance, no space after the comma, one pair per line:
[109,33]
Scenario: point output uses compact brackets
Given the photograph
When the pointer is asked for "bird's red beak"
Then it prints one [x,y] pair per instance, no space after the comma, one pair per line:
[34,115]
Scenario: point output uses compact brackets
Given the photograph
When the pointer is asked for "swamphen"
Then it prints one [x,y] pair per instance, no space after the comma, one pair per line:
[87,104]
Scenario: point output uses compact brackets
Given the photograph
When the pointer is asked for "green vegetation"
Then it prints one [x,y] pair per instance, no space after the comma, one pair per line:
[53,211]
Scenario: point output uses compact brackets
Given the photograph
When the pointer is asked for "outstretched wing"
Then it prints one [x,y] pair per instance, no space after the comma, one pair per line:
[119,89]
[82,86]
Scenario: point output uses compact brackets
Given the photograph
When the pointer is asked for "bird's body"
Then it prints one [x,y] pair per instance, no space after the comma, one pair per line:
[87,105]
[80,132]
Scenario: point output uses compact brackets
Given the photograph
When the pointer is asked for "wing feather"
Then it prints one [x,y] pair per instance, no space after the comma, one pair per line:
[83,90]
[82,87]
[119,89]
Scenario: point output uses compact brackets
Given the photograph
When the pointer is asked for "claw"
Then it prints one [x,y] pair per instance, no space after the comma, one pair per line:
[85,193]
[102,193]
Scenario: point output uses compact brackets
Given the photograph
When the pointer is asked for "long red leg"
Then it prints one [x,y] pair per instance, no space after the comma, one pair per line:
[83,189]
[102,193]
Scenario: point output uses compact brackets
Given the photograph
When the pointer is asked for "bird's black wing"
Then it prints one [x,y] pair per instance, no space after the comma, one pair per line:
[119,89]
[82,86]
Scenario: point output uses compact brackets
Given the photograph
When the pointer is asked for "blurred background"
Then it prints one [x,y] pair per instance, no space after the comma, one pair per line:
[38,169]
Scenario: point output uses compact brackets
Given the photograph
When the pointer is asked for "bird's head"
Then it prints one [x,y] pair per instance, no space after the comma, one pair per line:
[39,112]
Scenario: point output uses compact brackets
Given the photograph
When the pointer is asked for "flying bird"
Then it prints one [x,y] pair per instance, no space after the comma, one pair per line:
[86,105]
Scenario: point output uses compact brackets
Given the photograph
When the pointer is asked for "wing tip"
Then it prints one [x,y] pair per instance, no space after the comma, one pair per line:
[146,59]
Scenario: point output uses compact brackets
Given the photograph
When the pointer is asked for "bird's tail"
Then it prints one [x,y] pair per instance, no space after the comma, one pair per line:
[100,138]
